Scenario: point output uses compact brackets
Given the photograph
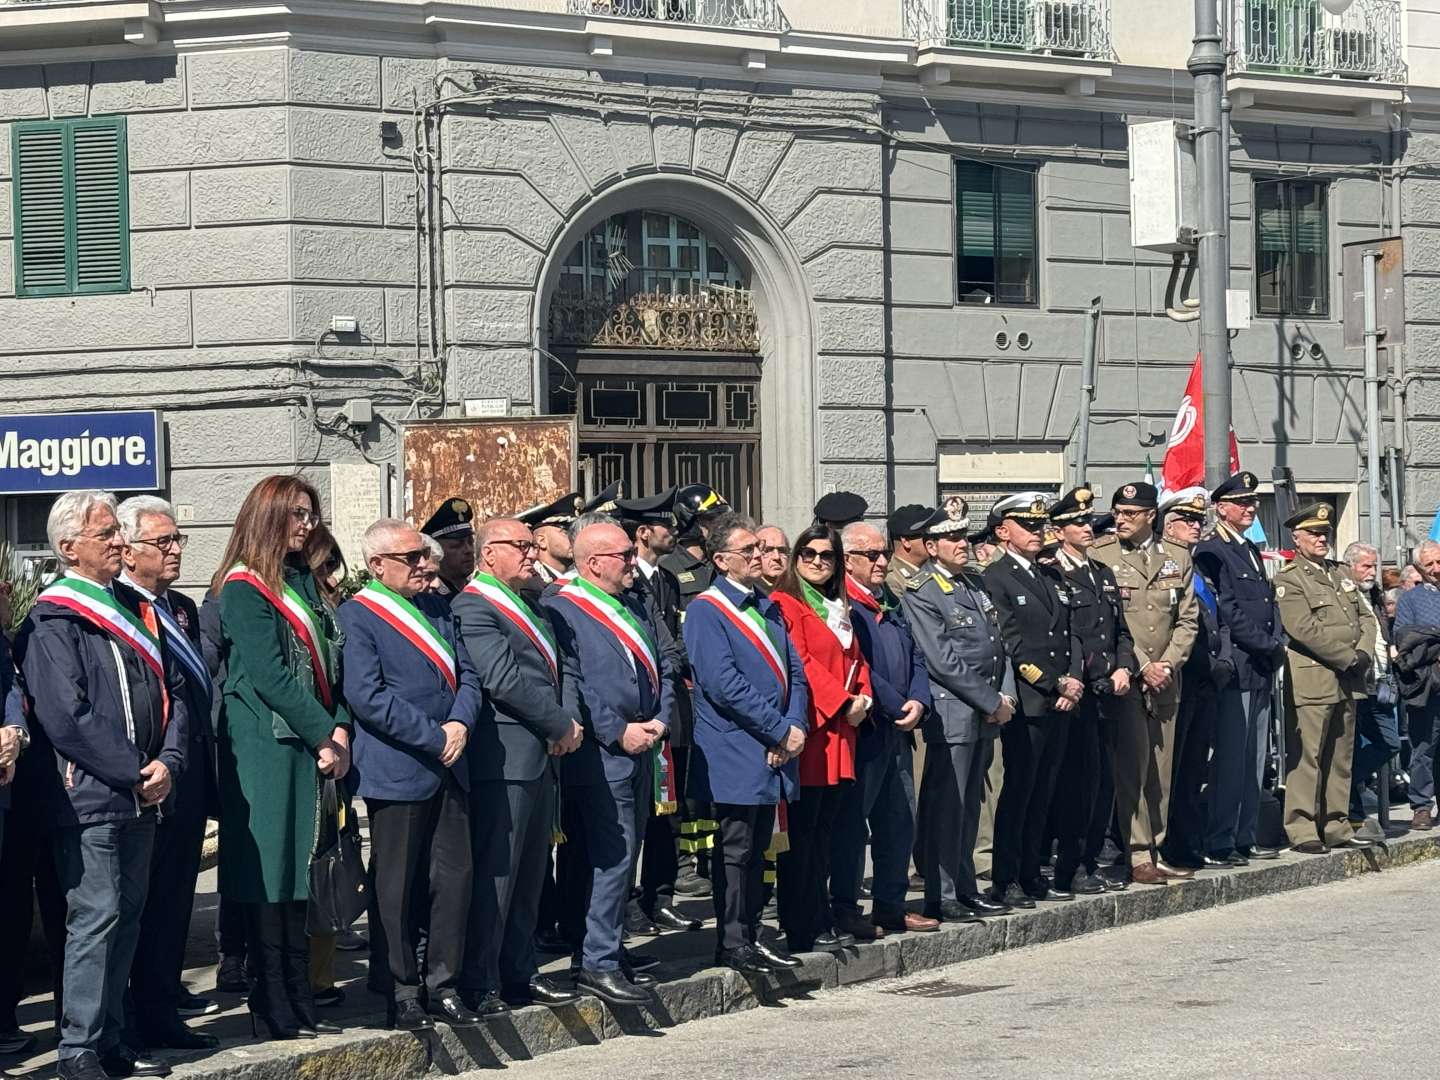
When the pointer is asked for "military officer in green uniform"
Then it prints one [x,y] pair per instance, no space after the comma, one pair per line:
[906,526]
[1332,632]
[1154,577]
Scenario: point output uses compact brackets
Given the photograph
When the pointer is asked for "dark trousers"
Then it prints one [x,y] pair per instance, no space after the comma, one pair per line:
[1077,789]
[1423,732]
[165,925]
[1034,748]
[280,952]
[737,871]
[547,920]
[1237,768]
[1377,740]
[27,875]
[1185,835]
[594,867]
[952,784]
[876,809]
[230,930]
[420,859]
[803,872]
[515,823]
[659,856]
[104,869]
[1102,810]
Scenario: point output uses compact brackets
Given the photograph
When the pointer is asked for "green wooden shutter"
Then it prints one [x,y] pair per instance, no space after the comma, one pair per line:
[101,207]
[975,191]
[72,207]
[1015,201]
[41,262]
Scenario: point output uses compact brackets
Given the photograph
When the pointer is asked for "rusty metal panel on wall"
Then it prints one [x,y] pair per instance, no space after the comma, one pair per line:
[501,466]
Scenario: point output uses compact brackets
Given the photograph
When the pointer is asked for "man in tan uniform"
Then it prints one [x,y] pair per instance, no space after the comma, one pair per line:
[1332,635]
[1154,579]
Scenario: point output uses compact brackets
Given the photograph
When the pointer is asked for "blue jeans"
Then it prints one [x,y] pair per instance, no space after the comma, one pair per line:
[1377,740]
[104,871]
[877,809]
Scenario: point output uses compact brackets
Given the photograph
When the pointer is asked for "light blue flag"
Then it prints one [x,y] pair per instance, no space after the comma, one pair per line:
[1256,534]
[1435,528]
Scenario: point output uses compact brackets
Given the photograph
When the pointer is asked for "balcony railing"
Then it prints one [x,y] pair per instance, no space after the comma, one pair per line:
[708,320]
[1299,37]
[733,14]
[1078,28]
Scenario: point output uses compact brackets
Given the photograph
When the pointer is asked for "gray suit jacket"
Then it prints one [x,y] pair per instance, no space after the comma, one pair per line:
[956,629]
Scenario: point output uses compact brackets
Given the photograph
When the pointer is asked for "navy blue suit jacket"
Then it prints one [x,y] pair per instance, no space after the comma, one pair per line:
[1247,604]
[739,710]
[606,688]
[398,700]
[897,673]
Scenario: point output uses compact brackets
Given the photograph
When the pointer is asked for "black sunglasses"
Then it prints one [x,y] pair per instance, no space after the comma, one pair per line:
[411,559]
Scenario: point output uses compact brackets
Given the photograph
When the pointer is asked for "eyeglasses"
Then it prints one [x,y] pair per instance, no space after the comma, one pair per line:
[104,535]
[411,559]
[746,552]
[873,554]
[1131,514]
[628,555]
[774,549]
[304,517]
[525,547]
[810,554]
[165,543]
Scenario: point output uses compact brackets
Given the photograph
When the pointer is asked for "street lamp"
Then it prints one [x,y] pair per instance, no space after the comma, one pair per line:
[1336,7]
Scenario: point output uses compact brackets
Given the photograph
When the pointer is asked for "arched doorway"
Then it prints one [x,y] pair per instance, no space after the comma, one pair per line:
[655,347]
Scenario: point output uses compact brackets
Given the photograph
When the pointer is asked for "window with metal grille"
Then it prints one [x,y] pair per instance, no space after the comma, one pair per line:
[71,207]
[1292,249]
[995,226]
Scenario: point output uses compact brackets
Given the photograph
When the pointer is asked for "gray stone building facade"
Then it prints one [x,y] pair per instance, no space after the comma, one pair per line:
[275,163]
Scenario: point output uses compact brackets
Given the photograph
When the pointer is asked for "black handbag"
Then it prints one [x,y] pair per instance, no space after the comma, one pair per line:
[339,890]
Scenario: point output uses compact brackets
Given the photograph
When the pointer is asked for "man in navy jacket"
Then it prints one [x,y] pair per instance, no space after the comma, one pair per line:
[415,697]
[883,749]
[112,709]
[750,706]
[618,681]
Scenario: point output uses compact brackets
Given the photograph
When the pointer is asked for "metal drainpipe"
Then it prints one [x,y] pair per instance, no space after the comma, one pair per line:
[1087,392]
[1398,382]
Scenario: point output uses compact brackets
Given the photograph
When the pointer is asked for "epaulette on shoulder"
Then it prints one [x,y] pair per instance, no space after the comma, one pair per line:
[1173,548]
[1105,541]
[943,582]
[914,581]
[1288,567]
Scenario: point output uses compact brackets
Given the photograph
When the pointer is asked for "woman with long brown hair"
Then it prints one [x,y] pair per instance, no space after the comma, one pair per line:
[816,608]
[284,730]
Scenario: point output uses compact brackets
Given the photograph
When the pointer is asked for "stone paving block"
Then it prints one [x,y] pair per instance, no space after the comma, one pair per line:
[1056,922]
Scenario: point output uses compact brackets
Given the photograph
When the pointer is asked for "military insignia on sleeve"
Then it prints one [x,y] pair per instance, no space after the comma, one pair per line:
[685,575]
[1279,592]
[1347,584]
[1030,673]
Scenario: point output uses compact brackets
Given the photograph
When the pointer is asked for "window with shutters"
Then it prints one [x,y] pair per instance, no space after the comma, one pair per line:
[995,232]
[71,207]
[1292,248]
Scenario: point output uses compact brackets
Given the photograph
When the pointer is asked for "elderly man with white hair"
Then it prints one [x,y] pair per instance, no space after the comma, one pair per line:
[108,701]
[415,697]
[1420,606]
[152,565]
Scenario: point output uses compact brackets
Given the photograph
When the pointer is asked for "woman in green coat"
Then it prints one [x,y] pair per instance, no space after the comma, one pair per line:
[284,731]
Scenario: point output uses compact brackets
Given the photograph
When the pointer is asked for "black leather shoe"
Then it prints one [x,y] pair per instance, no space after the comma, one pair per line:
[230,978]
[122,1062]
[190,1004]
[410,1016]
[953,911]
[777,957]
[552,944]
[637,922]
[83,1066]
[980,904]
[306,1031]
[1236,859]
[668,918]
[1257,852]
[611,987]
[639,961]
[453,1010]
[1219,862]
[178,1037]
[1086,884]
[745,960]
[832,941]
[1013,895]
[1053,894]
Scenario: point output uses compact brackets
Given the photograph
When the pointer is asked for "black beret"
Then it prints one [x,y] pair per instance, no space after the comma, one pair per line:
[1140,494]
[910,520]
[840,508]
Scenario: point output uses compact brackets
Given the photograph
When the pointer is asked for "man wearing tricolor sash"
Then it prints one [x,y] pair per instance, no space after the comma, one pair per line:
[751,701]
[618,681]
[414,697]
[110,705]
[524,729]
[152,564]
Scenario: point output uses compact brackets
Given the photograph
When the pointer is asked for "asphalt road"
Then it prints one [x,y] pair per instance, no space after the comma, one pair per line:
[1305,984]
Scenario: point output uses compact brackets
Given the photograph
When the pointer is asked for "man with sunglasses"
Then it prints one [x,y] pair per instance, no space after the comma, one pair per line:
[415,698]
[1246,602]
[1157,593]
[151,566]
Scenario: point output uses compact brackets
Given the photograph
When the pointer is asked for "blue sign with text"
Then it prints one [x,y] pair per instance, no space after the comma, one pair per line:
[44,453]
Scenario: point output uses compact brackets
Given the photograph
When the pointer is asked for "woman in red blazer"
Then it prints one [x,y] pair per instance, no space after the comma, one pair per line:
[812,599]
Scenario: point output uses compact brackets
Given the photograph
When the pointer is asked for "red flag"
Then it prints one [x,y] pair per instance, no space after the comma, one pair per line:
[1185,456]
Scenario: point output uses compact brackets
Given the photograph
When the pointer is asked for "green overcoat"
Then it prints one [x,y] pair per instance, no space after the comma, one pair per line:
[274,722]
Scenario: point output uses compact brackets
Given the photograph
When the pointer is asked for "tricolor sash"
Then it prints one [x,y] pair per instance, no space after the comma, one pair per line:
[509,604]
[295,611]
[406,620]
[609,612]
[99,606]
[754,629]
[196,670]
[666,799]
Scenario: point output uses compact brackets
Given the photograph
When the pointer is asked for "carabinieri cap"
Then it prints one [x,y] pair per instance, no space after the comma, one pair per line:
[559,514]
[452,520]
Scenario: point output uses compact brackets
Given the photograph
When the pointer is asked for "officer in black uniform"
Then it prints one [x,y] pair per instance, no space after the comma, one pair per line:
[1033,606]
[1085,792]
[452,526]
[550,522]
[696,505]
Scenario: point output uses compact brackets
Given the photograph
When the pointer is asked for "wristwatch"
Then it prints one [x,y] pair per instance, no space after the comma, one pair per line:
[24,736]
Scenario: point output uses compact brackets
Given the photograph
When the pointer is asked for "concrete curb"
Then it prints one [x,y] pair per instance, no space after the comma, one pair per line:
[528,1033]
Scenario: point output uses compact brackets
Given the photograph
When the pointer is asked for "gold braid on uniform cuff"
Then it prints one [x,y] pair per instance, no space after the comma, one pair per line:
[1030,673]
